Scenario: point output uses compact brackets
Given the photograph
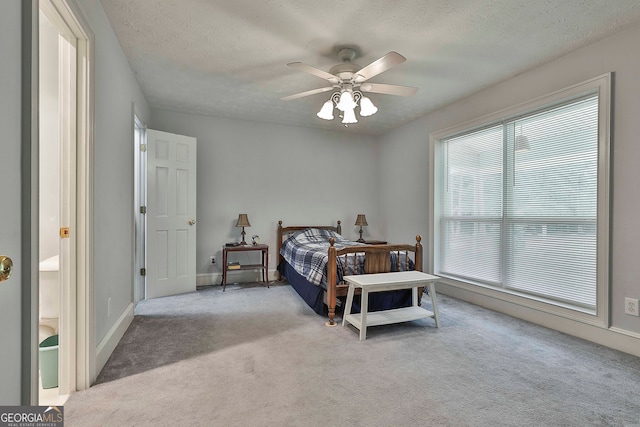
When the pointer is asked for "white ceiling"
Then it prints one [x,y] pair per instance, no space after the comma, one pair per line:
[228,57]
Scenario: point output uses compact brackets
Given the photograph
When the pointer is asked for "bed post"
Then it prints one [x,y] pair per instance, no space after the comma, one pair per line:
[418,260]
[418,265]
[332,278]
[279,248]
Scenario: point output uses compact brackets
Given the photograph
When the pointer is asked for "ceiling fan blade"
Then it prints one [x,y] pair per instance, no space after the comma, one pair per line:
[307,93]
[315,71]
[389,89]
[378,66]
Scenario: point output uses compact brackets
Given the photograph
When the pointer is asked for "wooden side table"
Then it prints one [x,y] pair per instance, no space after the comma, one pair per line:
[375,242]
[264,250]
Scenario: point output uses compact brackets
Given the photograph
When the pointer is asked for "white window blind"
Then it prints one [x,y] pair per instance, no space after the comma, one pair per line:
[472,206]
[519,204]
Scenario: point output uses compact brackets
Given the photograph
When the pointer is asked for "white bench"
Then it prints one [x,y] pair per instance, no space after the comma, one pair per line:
[386,282]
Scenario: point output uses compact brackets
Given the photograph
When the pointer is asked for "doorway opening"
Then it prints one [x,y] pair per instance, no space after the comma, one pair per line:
[64,253]
[54,92]
[140,203]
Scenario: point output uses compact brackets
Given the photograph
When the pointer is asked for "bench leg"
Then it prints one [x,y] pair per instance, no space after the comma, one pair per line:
[364,306]
[432,291]
[347,306]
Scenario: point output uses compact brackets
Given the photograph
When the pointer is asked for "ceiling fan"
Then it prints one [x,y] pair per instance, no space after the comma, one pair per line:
[348,81]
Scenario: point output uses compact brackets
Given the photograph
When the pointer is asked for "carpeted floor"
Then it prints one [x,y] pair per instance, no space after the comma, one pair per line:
[253,356]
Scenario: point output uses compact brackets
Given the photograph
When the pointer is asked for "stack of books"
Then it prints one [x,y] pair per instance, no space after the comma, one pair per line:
[233,265]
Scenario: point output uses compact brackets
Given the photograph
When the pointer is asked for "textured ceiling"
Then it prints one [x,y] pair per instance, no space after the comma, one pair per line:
[228,57]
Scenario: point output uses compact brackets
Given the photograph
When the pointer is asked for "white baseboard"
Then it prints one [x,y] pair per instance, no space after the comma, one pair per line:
[113,337]
[244,276]
[208,279]
[616,338]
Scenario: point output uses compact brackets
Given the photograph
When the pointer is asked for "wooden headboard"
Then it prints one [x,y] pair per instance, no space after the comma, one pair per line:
[287,231]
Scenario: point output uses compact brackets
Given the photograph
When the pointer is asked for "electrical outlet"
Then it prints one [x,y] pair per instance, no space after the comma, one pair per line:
[212,259]
[631,307]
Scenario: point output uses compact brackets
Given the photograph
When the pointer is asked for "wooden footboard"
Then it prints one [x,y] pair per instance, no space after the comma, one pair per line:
[377,260]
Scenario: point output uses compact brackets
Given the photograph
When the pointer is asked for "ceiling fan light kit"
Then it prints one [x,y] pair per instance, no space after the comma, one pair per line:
[347,80]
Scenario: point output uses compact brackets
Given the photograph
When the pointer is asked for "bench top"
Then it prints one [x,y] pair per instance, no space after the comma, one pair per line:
[406,278]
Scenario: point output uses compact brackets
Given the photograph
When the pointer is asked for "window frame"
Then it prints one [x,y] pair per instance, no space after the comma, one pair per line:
[601,85]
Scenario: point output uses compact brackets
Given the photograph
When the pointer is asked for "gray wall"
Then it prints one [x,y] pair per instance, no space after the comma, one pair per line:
[405,165]
[273,172]
[116,90]
[619,53]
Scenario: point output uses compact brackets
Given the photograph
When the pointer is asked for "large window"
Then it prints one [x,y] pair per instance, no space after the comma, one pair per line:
[517,202]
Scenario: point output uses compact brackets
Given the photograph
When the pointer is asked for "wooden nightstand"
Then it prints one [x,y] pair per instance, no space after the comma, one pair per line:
[264,250]
[375,242]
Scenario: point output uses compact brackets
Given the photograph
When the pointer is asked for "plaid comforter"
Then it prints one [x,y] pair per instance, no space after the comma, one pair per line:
[307,252]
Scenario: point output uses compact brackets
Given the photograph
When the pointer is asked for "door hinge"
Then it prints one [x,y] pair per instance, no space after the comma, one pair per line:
[143,271]
[143,210]
[143,147]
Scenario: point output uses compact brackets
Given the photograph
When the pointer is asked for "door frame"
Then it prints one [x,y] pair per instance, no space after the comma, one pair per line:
[140,199]
[80,361]
[29,204]
[83,317]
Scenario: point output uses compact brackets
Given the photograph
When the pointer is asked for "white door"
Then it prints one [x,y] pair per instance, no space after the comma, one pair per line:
[171,214]
[10,246]
[11,214]
[10,289]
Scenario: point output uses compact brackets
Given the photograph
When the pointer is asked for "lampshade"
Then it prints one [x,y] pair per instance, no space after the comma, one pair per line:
[366,107]
[361,220]
[326,112]
[349,116]
[346,102]
[243,221]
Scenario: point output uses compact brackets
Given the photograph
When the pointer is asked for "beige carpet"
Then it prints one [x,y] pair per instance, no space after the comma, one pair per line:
[253,356]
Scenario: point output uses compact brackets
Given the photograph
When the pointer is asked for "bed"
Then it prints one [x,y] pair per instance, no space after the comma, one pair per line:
[313,259]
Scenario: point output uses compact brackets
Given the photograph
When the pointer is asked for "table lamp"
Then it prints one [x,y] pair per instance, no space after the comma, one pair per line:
[243,221]
[361,220]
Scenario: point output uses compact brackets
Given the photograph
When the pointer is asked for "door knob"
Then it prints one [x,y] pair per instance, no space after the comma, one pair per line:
[5,267]
[192,221]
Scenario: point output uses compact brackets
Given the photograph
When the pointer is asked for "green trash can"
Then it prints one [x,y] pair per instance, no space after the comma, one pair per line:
[49,362]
